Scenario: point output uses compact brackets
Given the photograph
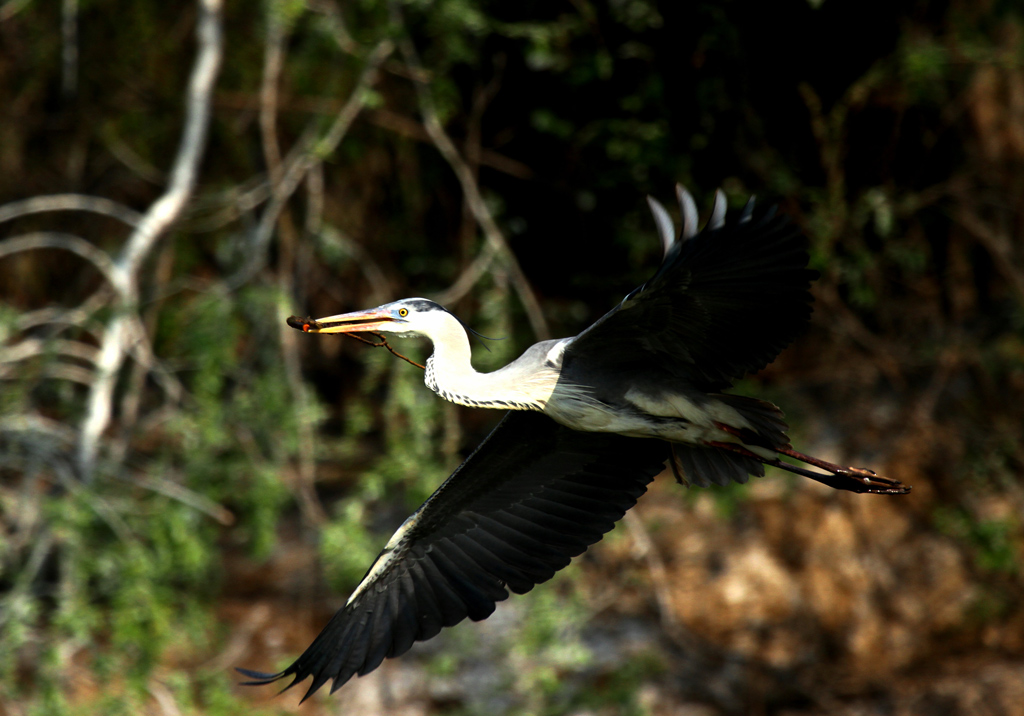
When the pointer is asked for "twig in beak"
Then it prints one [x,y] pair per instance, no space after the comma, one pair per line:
[384,344]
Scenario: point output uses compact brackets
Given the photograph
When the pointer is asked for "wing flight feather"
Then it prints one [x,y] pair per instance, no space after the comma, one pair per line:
[723,303]
[533,495]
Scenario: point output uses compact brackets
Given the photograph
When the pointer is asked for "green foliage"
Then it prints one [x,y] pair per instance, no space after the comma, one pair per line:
[992,542]
[410,465]
[548,645]
[134,567]
[924,65]
[242,425]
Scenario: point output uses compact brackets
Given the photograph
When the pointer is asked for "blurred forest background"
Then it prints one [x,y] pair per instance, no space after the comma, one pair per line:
[186,485]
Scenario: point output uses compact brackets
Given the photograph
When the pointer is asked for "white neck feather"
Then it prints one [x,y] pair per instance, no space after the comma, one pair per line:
[451,375]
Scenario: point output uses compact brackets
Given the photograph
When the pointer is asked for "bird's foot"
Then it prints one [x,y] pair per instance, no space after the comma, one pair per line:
[851,479]
[854,479]
[873,482]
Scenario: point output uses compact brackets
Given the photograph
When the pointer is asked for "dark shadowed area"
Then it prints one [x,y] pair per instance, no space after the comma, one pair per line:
[188,485]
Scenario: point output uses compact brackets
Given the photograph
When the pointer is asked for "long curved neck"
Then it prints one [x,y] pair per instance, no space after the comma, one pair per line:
[451,375]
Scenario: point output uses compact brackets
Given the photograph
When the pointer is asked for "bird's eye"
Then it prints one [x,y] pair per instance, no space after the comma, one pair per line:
[403,312]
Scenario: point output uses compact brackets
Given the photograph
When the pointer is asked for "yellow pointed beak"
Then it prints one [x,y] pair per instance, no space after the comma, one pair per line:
[369,321]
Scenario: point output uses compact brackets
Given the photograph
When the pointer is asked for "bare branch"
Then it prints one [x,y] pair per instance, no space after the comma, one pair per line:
[177,491]
[31,347]
[163,697]
[70,202]
[309,503]
[142,352]
[304,156]
[54,430]
[11,8]
[211,213]
[159,217]
[168,207]
[470,189]
[468,278]
[330,10]
[410,128]
[67,242]
[82,316]
[59,371]
[314,199]
[337,239]
[302,399]
[145,364]
[132,160]
[101,393]
[273,61]
[379,116]
[999,245]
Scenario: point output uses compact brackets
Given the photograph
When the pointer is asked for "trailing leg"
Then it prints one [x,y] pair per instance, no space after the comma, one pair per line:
[853,479]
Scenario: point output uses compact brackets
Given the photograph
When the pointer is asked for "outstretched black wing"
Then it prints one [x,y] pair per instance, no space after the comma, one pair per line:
[724,303]
[533,495]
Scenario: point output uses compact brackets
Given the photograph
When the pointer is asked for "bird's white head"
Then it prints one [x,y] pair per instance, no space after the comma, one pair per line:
[408,317]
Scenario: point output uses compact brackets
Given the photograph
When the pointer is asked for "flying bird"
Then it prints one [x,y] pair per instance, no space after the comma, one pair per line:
[592,419]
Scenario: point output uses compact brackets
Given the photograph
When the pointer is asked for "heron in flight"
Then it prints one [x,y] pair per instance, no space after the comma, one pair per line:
[592,420]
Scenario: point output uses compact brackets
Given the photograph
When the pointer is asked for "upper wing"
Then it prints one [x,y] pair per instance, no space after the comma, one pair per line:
[724,302]
[533,495]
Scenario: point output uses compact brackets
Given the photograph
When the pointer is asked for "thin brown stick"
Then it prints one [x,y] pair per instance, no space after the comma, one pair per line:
[384,344]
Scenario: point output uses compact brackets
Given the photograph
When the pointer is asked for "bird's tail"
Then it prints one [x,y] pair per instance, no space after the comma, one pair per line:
[724,462]
[768,426]
[702,466]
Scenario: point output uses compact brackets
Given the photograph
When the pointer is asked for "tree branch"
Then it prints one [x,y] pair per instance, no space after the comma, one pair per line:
[161,215]
[470,189]
[70,202]
[303,157]
[67,242]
